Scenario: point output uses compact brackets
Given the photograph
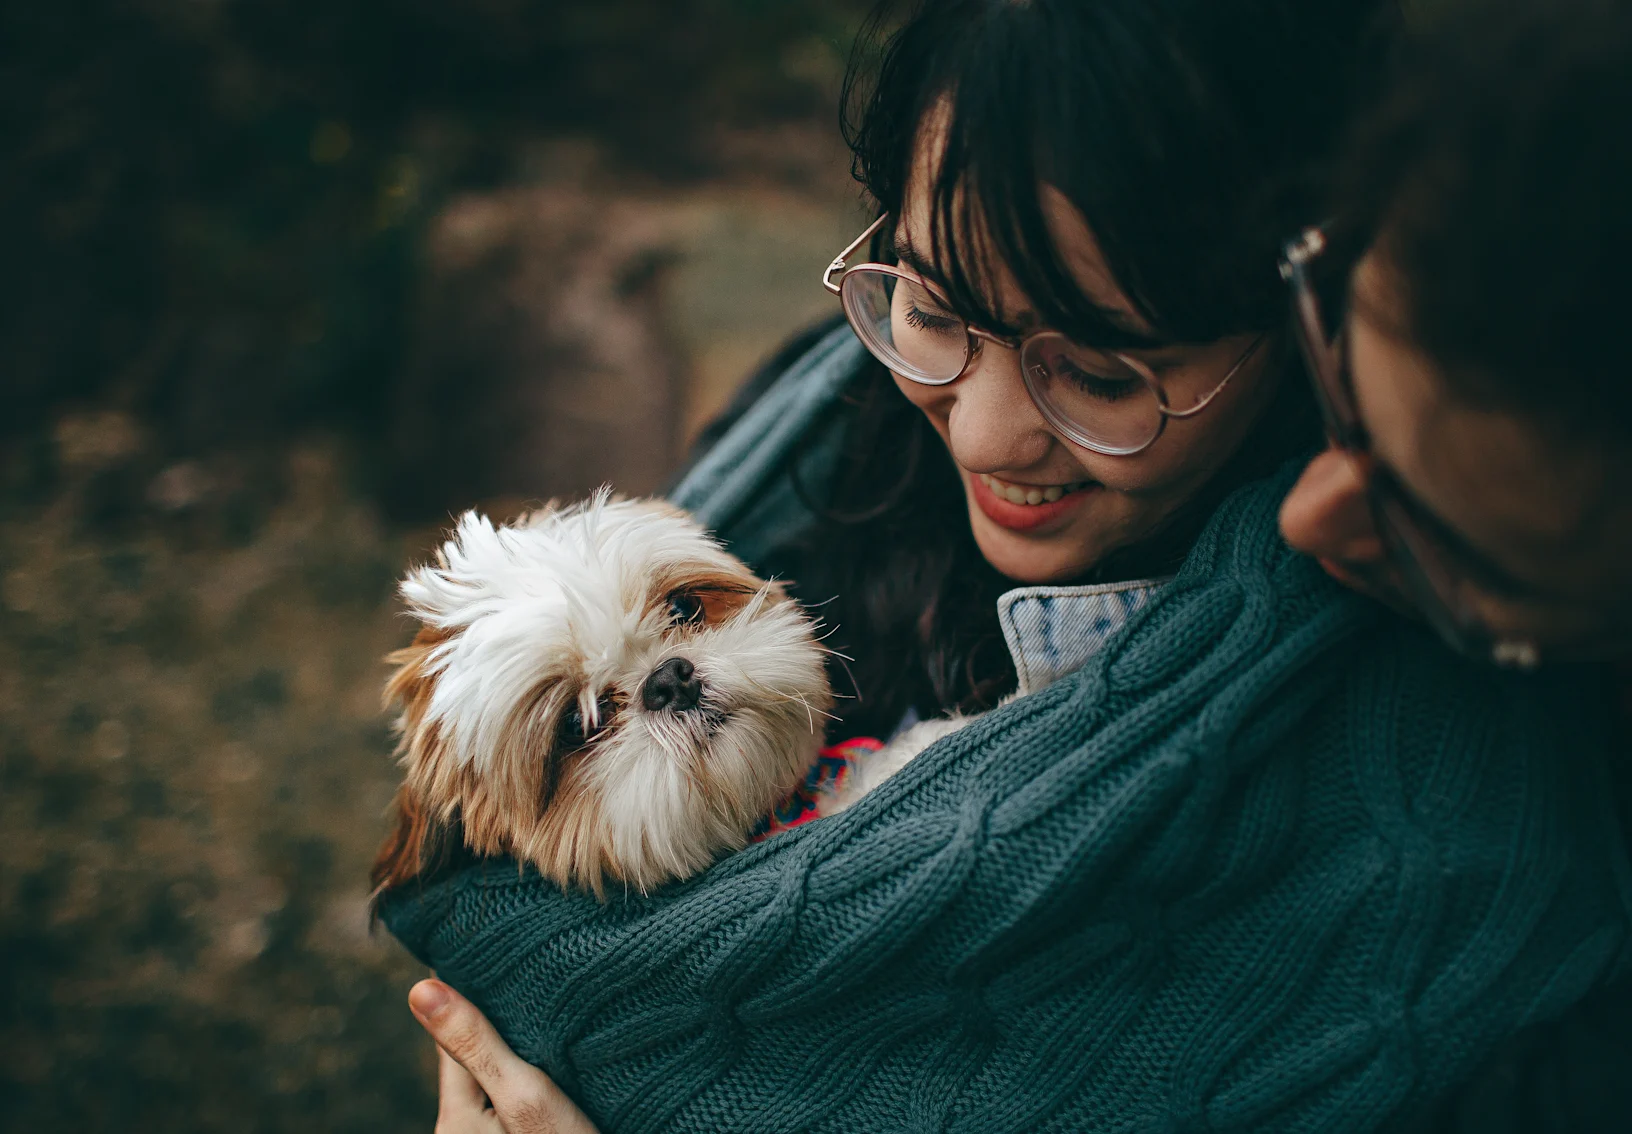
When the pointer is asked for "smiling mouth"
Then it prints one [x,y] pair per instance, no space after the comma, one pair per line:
[1031,494]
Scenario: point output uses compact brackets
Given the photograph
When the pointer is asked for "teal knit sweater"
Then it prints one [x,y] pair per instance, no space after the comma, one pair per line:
[1271,861]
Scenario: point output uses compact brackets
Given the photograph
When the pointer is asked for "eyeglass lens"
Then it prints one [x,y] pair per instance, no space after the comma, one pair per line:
[1101,402]
[906,326]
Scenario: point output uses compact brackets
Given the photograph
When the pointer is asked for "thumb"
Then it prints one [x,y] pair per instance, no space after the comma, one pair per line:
[523,1097]
[460,1029]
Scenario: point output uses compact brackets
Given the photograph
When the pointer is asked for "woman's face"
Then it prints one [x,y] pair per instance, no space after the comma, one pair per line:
[1089,504]
[1539,518]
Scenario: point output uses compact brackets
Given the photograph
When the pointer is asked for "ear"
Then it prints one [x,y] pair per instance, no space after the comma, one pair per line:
[419,848]
[419,841]
[410,684]
[403,854]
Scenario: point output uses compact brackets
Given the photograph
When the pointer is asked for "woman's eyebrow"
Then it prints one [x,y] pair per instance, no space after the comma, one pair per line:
[1116,318]
[912,258]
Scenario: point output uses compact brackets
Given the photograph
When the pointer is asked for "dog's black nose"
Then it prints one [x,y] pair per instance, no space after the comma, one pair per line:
[672,685]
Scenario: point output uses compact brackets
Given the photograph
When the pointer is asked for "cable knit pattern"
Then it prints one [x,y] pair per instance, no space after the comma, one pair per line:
[1271,861]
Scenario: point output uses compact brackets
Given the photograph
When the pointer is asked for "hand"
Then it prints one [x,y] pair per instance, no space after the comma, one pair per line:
[484,1087]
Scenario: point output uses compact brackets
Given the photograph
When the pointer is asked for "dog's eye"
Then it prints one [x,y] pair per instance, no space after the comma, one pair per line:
[570,733]
[685,608]
[574,732]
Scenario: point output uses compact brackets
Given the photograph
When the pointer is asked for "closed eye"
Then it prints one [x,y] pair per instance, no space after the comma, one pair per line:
[924,321]
[1099,386]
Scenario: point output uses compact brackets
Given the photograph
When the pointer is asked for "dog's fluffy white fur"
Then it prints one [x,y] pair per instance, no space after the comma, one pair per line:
[544,713]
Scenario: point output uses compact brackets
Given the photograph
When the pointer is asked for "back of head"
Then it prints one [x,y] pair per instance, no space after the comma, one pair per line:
[1495,180]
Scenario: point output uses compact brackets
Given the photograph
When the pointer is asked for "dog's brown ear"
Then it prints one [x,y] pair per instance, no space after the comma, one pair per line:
[419,847]
[409,685]
[402,856]
[420,843]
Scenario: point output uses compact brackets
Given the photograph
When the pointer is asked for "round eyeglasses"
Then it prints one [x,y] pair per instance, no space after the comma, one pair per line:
[1101,400]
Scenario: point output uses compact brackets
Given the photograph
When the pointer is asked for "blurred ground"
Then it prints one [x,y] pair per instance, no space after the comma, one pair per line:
[289,283]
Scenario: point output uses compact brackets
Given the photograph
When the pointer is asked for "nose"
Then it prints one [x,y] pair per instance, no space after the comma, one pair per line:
[1328,512]
[994,425]
[673,686]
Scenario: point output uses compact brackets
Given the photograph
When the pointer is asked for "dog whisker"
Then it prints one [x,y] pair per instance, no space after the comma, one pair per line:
[811,712]
[844,664]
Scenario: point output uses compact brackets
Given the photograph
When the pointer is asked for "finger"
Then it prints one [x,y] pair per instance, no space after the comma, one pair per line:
[460,1029]
[461,1104]
[524,1099]
[458,1092]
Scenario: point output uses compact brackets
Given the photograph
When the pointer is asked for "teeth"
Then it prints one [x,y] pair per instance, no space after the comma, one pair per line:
[1030,494]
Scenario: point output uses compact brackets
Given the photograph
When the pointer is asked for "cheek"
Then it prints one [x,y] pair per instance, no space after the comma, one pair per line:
[936,402]
[1191,450]
[1187,454]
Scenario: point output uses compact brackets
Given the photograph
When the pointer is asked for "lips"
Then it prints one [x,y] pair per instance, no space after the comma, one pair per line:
[995,498]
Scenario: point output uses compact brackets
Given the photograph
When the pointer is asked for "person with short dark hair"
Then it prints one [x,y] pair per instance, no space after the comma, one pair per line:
[1479,390]
[1475,359]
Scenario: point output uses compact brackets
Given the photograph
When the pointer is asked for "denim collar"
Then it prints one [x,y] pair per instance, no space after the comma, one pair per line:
[1053,631]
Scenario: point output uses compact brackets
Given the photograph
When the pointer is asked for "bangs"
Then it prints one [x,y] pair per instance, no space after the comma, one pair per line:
[1164,124]
[987,221]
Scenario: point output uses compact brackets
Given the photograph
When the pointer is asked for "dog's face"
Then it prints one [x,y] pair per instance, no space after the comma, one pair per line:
[600,690]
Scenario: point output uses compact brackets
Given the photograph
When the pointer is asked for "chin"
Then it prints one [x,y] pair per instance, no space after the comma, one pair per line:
[601,691]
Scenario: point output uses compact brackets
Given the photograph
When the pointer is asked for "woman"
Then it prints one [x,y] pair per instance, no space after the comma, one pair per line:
[1252,853]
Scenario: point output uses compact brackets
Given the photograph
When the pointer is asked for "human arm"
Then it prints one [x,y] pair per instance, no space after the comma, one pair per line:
[1269,844]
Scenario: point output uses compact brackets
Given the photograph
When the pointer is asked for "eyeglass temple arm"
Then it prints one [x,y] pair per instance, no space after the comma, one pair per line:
[838,261]
[1310,325]
[1296,257]
[1192,411]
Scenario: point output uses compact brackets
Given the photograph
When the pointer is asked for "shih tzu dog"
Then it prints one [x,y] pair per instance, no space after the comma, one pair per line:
[602,691]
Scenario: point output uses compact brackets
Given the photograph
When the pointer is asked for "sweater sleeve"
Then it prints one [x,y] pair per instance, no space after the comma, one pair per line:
[1271,862]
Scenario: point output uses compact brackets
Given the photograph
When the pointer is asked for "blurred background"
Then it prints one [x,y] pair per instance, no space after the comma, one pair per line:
[284,285]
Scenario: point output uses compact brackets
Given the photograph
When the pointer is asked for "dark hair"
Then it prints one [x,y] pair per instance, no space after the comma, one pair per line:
[1193,136]
[1496,179]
